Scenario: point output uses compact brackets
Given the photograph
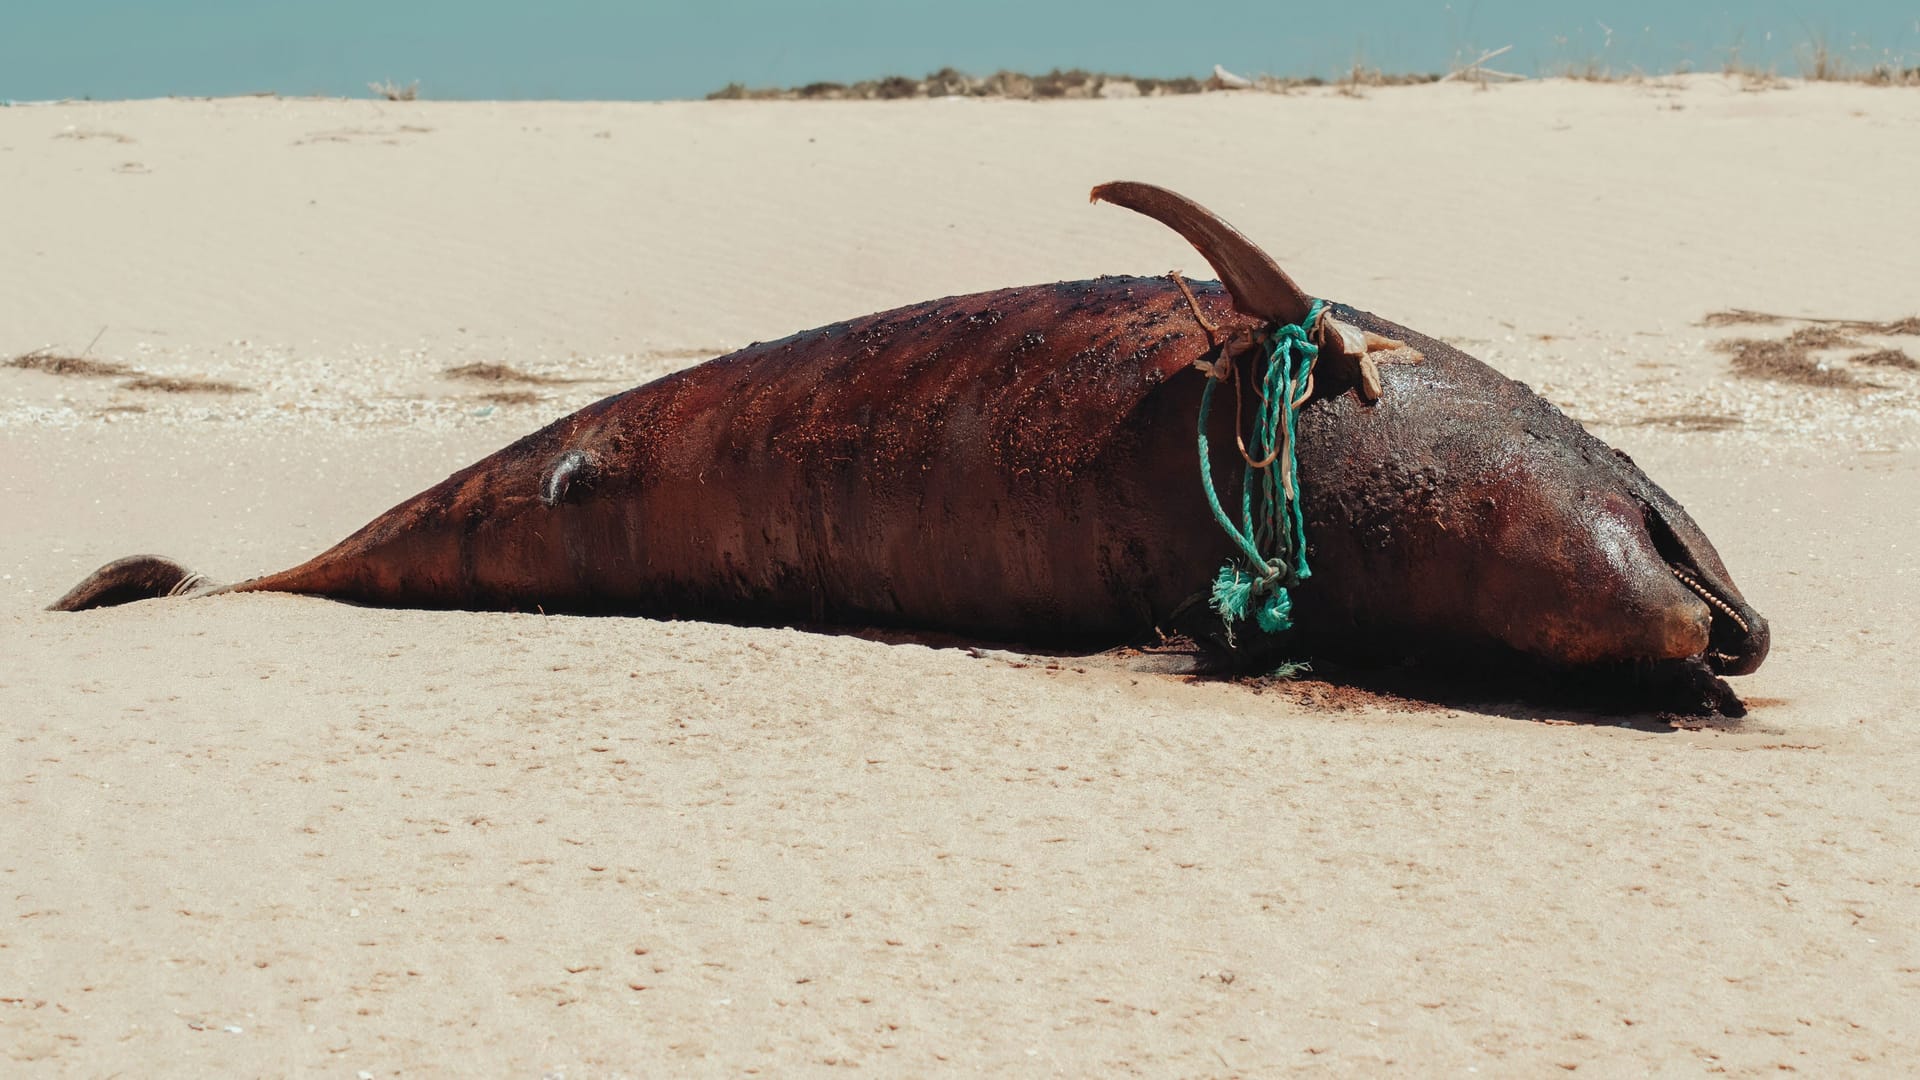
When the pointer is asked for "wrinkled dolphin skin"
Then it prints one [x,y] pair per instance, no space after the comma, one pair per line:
[1477,508]
[1021,465]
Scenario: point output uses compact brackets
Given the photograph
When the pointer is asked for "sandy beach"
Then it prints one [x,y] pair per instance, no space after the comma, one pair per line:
[271,835]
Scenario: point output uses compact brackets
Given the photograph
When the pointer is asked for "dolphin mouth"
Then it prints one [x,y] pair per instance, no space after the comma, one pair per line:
[1739,638]
[1733,645]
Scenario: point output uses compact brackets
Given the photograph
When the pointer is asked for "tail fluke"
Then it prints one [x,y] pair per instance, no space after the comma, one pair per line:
[136,577]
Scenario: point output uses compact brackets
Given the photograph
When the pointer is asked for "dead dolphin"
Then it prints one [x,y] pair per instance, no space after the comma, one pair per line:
[1021,465]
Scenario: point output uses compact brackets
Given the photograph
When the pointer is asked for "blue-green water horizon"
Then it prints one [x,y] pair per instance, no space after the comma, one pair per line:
[672,49]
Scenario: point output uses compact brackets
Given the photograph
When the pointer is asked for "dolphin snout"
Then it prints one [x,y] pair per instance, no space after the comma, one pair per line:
[1738,637]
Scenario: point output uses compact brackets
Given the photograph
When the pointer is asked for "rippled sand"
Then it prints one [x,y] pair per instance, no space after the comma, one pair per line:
[274,834]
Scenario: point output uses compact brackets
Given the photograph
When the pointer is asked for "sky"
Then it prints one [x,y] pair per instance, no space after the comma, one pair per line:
[652,49]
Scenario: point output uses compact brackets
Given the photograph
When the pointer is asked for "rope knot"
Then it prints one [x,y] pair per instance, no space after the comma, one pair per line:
[1254,584]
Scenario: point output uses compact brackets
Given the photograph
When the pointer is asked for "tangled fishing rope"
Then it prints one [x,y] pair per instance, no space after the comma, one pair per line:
[1270,515]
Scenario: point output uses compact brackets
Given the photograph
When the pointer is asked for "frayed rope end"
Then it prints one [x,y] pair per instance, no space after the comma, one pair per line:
[1235,591]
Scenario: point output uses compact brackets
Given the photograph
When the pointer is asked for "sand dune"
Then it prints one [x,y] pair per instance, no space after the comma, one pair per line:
[260,834]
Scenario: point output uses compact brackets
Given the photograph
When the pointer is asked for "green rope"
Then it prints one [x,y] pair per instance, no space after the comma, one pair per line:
[1270,520]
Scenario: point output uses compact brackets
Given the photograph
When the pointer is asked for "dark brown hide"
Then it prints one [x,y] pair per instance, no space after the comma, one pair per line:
[1020,465]
[1017,464]
[1464,511]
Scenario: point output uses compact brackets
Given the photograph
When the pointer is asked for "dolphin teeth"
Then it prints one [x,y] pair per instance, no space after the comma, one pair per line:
[1712,600]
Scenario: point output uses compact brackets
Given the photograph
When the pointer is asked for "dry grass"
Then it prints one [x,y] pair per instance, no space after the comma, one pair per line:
[510,397]
[1755,80]
[1821,337]
[79,366]
[1890,75]
[1692,422]
[171,384]
[1909,326]
[1358,79]
[501,373]
[1589,70]
[52,363]
[1819,62]
[1780,361]
[1891,358]
[1741,317]
[1752,77]
[1791,359]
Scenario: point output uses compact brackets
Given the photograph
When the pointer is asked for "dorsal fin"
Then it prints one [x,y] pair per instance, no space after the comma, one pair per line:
[1257,284]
